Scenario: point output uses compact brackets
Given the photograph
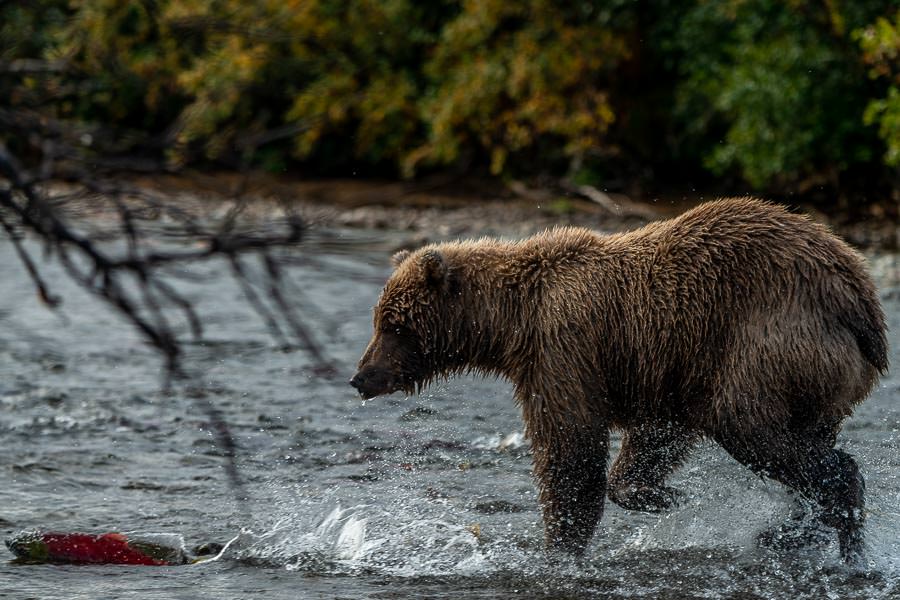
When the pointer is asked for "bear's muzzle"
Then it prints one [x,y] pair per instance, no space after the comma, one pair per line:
[371,382]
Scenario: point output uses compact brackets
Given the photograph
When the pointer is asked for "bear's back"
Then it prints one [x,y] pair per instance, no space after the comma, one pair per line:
[757,250]
[711,300]
[774,299]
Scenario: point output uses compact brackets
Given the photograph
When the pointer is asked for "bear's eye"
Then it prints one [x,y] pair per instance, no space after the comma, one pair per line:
[398,330]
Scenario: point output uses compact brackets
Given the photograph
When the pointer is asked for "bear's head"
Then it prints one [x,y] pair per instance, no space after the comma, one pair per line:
[413,318]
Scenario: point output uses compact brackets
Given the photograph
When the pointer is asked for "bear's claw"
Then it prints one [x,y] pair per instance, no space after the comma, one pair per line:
[794,534]
[645,498]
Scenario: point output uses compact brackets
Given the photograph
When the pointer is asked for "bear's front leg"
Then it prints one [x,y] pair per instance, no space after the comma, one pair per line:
[571,473]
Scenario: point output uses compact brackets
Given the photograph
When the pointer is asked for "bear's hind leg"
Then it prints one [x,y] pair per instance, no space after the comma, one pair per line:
[826,475]
[804,527]
[649,454]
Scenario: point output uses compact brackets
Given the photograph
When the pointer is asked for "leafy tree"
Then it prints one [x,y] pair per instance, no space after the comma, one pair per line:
[776,90]
[781,94]
[508,76]
[880,42]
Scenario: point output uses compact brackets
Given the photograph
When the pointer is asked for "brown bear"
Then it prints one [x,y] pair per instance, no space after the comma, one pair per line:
[737,321]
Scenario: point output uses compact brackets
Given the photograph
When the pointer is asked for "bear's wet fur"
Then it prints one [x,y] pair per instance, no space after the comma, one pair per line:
[737,321]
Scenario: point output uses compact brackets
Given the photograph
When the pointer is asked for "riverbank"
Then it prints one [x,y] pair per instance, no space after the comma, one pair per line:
[442,208]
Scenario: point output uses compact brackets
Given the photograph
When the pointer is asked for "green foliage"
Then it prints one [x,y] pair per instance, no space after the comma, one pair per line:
[362,75]
[506,75]
[781,82]
[771,92]
[880,42]
[28,30]
[127,62]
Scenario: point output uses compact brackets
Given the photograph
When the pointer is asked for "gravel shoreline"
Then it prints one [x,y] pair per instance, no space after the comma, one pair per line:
[427,212]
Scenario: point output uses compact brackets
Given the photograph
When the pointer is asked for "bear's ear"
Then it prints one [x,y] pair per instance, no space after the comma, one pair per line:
[398,258]
[435,267]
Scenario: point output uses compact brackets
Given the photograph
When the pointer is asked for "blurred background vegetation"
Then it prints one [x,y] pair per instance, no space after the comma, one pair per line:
[770,96]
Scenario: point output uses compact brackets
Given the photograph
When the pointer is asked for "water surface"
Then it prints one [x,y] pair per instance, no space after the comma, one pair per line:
[425,497]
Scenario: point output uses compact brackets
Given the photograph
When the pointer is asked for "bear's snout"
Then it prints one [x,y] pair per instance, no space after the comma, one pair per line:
[371,382]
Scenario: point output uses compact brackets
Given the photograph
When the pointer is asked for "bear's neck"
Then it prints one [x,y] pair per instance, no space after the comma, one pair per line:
[494,328]
[515,299]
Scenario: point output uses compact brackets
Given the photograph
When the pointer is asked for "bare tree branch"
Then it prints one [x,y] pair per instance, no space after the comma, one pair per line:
[125,267]
[25,258]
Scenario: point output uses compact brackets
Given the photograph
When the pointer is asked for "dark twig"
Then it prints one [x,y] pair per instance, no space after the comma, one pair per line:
[323,366]
[253,298]
[225,442]
[39,283]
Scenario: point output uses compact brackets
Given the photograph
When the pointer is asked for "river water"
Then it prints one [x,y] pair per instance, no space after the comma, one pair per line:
[423,497]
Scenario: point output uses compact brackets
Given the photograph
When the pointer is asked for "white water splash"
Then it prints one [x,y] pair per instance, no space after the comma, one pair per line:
[501,443]
[343,534]
[364,538]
